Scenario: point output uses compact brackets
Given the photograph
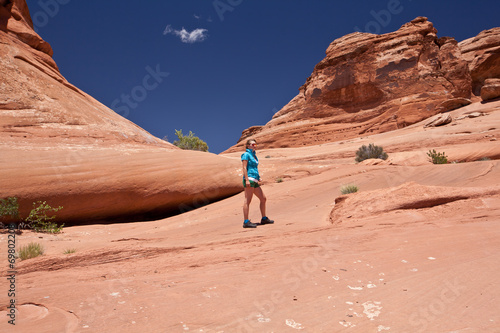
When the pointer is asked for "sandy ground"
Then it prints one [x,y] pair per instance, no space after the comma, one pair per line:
[415,250]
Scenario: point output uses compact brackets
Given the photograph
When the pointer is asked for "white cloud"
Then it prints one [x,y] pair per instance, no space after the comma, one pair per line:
[197,35]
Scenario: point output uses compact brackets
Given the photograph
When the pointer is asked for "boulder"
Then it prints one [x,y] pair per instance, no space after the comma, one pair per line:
[483,55]
[452,104]
[476,114]
[60,145]
[371,83]
[490,89]
[471,115]
[439,120]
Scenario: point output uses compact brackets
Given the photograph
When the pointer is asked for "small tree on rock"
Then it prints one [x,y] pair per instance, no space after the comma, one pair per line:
[437,158]
[190,142]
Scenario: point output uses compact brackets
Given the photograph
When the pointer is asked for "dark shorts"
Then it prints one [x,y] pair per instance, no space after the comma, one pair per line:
[252,184]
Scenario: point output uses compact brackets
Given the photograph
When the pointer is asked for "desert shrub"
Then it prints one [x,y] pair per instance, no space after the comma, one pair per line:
[31,250]
[37,219]
[348,189]
[40,222]
[437,158]
[190,142]
[69,251]
[279,180]
[370,151]
[9,207]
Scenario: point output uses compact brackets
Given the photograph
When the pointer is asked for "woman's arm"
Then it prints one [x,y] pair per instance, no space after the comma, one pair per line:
[245,171]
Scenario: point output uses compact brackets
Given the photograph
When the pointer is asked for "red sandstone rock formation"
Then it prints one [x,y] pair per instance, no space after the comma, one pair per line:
[42,103]
[59,144]
[483,54]
[415,249]
[376,83]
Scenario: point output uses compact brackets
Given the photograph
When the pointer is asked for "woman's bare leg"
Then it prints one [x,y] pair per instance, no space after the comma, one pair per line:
[260,194]
[246,203]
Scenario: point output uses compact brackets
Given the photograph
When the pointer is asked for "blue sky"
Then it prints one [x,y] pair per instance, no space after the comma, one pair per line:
[217,67]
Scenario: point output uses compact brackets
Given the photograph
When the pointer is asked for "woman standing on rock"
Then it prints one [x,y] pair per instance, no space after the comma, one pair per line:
[251,180]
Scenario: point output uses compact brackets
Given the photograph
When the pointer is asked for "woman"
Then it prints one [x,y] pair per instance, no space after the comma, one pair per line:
[251,180]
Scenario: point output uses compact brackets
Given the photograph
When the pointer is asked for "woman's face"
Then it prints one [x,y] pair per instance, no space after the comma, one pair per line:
[252,145]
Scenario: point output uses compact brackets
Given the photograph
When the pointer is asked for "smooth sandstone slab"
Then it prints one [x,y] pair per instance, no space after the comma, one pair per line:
[115,183]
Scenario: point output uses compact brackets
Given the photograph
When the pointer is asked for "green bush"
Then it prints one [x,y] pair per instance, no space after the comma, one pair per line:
[437,158]
[190,142]
[31,250]
[40,222]
[279,180]
[370,151]
[69,251]
[348,189]
[9,207]
[37,219]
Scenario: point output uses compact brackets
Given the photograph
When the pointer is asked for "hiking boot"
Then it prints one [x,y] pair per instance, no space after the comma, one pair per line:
[249,225]
[266,220]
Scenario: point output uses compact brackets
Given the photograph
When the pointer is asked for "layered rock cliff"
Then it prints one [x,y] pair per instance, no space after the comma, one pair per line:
[483,55]
[59,144]
[371,83]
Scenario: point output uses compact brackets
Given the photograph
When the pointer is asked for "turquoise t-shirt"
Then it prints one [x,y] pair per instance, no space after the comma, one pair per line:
[253,162]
